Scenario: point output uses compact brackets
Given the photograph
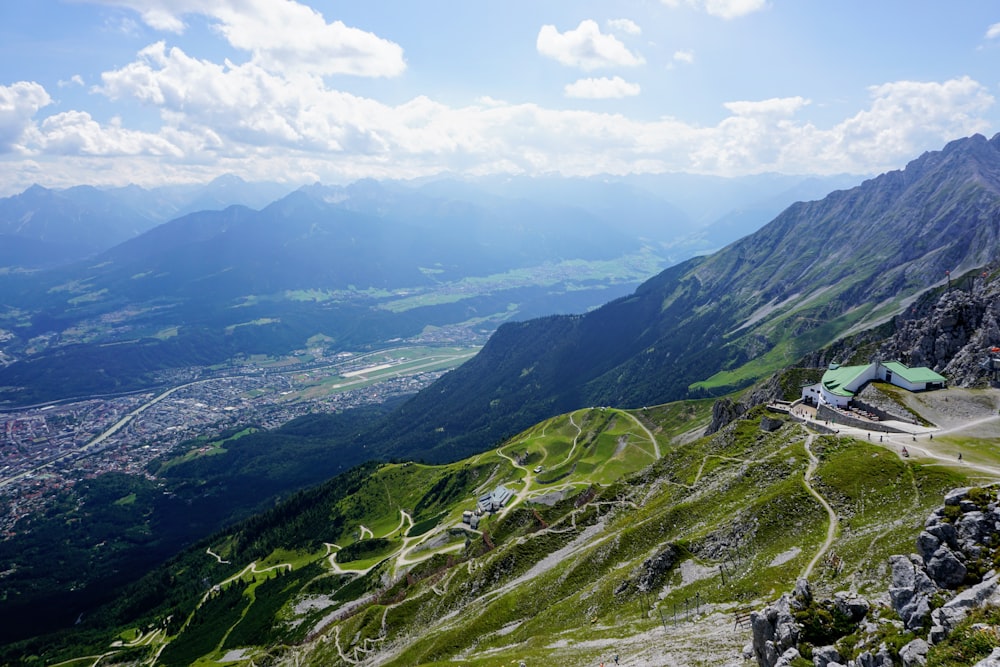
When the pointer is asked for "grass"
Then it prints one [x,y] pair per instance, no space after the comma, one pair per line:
[206,448]
[787,347]
[973,639]
[126,500]
[725,506]
[629,268]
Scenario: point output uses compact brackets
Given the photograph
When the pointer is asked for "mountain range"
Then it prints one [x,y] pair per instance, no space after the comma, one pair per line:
[359,265]
[77,222]
[714,324]
[876,260]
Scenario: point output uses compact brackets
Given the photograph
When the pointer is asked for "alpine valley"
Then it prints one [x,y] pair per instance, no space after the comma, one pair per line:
[632,483]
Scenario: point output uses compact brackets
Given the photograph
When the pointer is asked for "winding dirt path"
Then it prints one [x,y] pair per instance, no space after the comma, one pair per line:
[576,439]
[834,523]
[652,438]
[216,556]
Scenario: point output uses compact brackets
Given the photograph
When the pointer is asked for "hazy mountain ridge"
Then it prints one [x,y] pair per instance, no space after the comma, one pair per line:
[80,221]
[361,263]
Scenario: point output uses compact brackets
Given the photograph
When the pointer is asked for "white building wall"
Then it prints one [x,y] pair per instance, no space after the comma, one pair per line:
[867,376]
[811,393]
[833,399]
[899,381]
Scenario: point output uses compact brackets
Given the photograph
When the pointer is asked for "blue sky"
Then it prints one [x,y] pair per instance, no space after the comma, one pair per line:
[109,92]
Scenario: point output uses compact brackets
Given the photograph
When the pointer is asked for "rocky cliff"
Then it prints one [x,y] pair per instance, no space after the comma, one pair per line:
[951,331]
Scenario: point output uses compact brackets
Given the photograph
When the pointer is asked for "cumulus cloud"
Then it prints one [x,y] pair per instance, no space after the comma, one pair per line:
[684,57]
[627,26]
[281,35]
[781,106]
[18,105]
[993,31]
[245,119]
[603,88]
[585,47]
[727,9]
[907,114]
[76,133]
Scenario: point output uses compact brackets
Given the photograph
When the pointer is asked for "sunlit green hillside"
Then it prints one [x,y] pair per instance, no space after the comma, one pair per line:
[622,534]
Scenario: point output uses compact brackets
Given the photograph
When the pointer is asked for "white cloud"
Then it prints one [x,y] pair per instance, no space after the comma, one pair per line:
[281,35]
[993,31]
[19,103]
[727,9]
[245,119]
[585,47]
[76,133]
[603,88]
[75,80]
[628,26]
[685,57]
[780,106]
[906,115]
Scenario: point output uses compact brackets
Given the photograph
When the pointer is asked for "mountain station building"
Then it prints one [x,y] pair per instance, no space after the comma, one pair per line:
[841,383]
[495,500]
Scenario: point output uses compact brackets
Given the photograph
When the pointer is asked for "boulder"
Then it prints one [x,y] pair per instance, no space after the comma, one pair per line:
[788,657]
[955,496]
[992,660]
[910,590]
[972,528]
[914,654]
[946,569]
[927,544]
[802,594]
[955,610]
[775,631]
[851,605]
[880,659]
[770,424]
[967,506]
[824,656]
[944,532]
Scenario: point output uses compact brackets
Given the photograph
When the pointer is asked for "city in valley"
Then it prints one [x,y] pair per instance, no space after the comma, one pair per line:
[48,448]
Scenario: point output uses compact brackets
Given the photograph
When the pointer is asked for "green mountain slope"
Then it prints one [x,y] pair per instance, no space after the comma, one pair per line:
[714,324]
[623,535]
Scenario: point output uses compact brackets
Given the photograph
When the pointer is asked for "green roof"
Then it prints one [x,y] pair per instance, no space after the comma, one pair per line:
[836,379]
[914,375]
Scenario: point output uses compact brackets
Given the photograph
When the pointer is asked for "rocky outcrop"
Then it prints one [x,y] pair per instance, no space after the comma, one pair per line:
[932,592]
[950,332]
[775,630]
[911,591]
[724,411]
[872,399]
[652,571]
[957,542]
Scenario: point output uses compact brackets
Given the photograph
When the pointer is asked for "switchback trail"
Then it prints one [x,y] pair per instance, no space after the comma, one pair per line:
[831,530]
